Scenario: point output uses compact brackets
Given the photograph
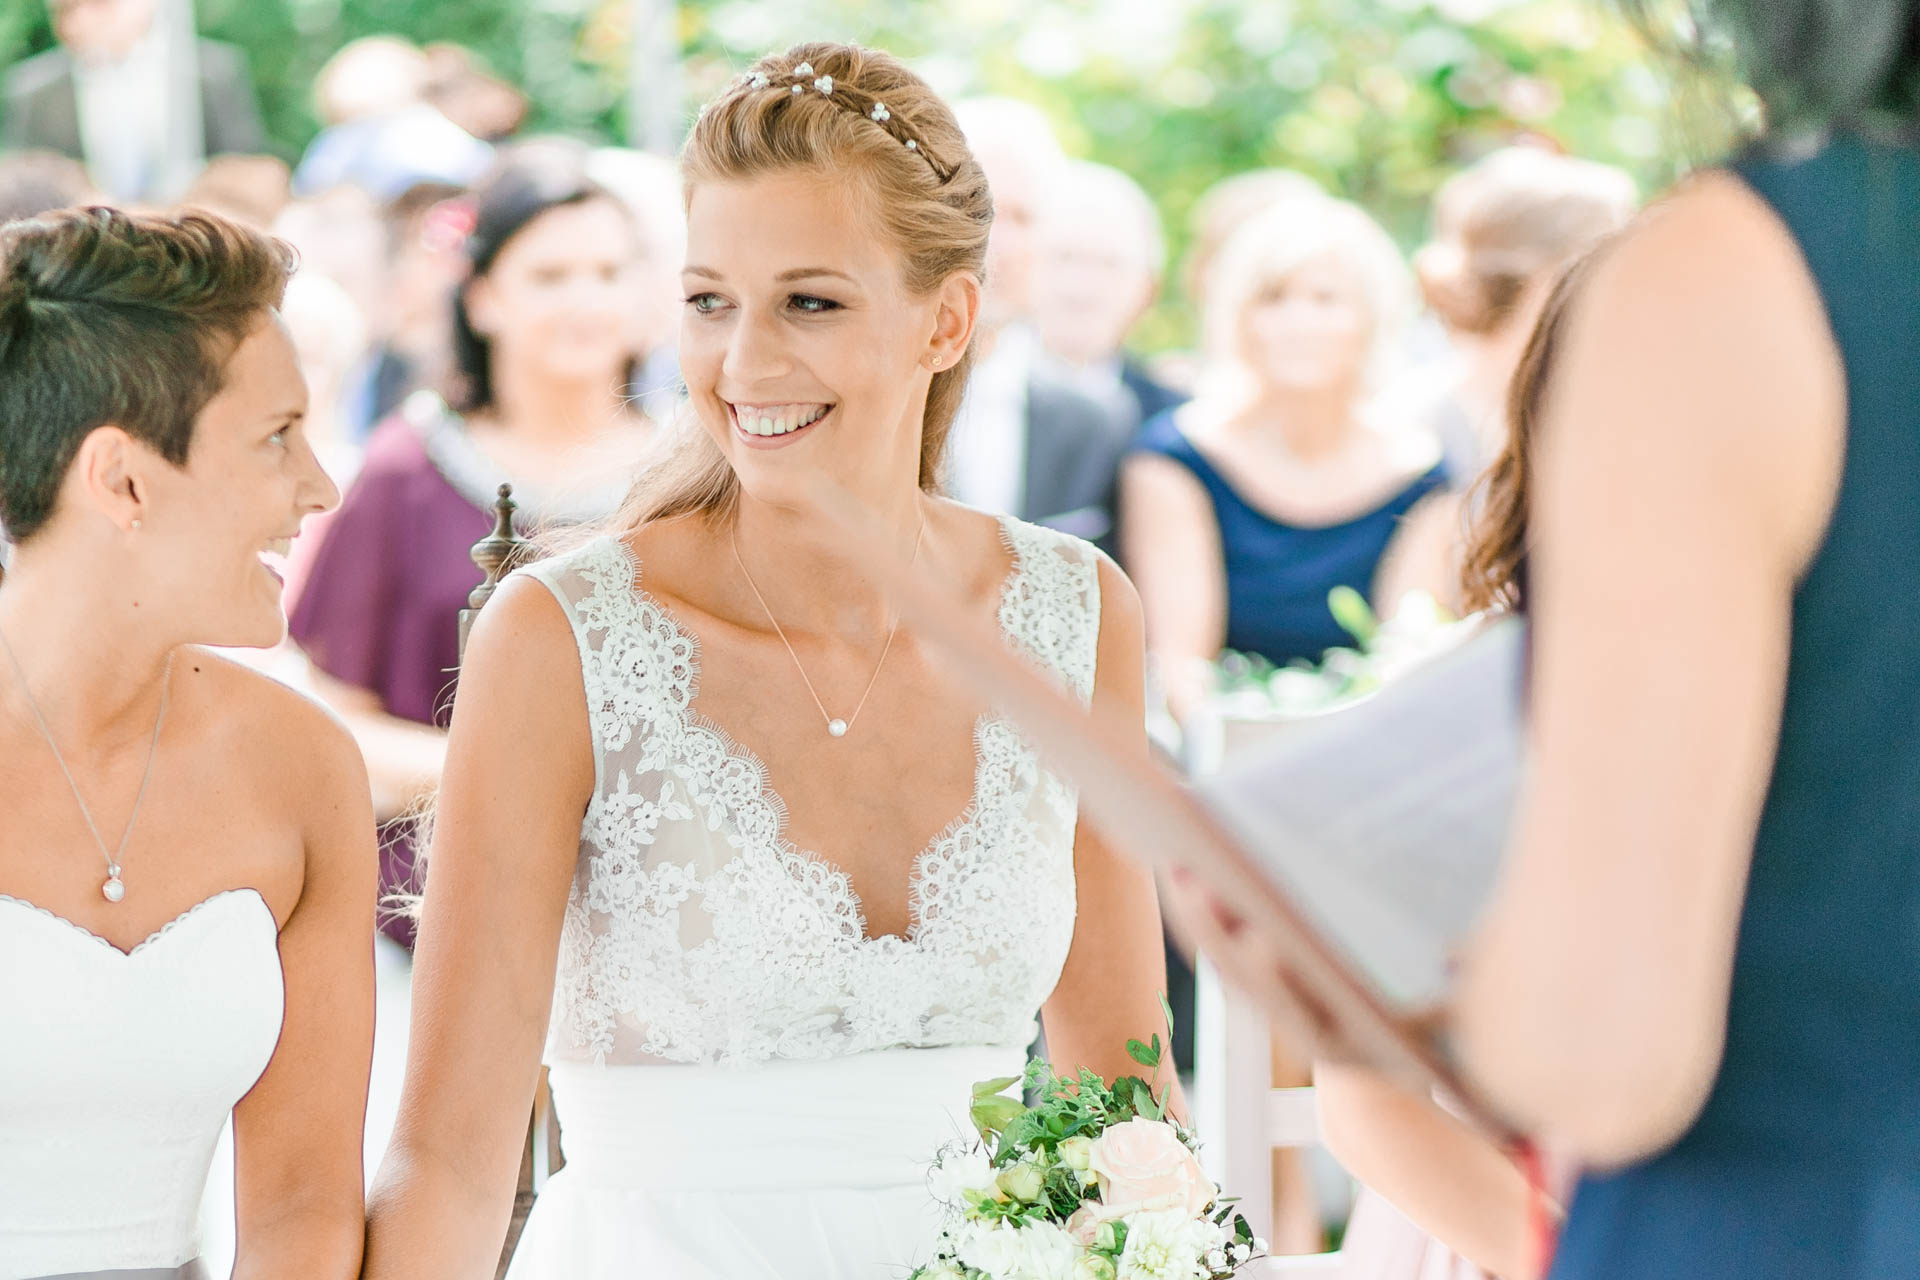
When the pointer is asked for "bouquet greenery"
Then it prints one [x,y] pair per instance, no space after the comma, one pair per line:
[1095,1181]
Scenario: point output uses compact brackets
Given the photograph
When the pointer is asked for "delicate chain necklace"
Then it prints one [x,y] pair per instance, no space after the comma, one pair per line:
[835,726]
[113,889]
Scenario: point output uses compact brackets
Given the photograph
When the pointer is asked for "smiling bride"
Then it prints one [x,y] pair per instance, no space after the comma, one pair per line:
[798,889]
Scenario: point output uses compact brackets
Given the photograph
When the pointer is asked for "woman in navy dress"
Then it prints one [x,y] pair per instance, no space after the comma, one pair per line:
[1242,510]
[1701,975]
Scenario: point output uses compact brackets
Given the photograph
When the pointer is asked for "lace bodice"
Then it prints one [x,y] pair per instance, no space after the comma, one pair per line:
[695,932]
[117,1071]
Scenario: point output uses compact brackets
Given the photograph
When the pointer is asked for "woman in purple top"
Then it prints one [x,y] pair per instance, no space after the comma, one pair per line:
[543,345]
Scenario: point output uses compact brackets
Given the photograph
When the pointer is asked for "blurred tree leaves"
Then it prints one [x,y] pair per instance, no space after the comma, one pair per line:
[1377,99]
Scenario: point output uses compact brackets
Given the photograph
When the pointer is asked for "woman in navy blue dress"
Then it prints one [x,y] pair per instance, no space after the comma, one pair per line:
[1242,509]
[1702,973]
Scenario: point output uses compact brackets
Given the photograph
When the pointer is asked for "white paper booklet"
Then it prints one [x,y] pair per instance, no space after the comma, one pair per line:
[1384,821]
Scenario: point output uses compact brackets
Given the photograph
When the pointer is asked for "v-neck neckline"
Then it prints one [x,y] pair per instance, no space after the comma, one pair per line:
[735,752]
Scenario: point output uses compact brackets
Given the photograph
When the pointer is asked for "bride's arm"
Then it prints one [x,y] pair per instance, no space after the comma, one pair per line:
[518,779]
[1116,973]
[297,1133]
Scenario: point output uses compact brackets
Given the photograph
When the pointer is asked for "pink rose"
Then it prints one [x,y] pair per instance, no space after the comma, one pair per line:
[1082,1225]
[1143,1166]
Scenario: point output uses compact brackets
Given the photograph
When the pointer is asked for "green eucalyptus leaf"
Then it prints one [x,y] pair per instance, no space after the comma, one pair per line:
[1144,1054]
[1355,616]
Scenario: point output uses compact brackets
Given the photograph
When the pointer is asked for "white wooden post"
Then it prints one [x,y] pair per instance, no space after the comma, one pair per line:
[653,77]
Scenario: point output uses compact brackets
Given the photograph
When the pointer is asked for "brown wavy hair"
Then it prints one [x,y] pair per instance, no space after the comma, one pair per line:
[929,199]
[1493,575]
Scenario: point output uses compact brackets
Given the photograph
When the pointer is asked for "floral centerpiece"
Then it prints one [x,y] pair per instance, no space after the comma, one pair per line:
[1248,686]
[1092,1182]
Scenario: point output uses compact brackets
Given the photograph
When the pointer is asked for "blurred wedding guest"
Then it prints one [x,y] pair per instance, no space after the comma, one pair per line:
[650,187]
[37,182]
[1216,215]
[330,336]
[422,259]
[1100,257]
[1440,1201]
[134,95]
[249,189]
[461,87]
[1278,483]
[183,953]
[541,364]
[381,133]
[339,235]
[1026,442]
[1227,205]
[1504,231]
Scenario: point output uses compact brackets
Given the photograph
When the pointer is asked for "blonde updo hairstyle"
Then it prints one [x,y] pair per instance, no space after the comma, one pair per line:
[815,108]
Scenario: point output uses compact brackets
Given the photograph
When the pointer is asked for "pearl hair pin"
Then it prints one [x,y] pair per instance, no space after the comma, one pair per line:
[880,113]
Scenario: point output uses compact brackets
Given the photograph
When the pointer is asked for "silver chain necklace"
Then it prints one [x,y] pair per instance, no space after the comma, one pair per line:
[113,889]
[835,726]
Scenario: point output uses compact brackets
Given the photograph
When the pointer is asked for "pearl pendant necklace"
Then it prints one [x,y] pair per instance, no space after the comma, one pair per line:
[113,889]
[836,727]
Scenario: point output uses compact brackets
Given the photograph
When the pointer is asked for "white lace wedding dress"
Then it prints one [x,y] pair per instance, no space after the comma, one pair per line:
[749,1086]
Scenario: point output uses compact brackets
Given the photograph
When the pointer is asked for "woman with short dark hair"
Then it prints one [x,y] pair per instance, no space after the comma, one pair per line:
[186,866]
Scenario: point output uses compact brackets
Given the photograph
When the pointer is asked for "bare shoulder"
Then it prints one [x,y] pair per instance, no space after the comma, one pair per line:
[1702,339]
[276,756]
[1712,264]
[523,633]
[265,722]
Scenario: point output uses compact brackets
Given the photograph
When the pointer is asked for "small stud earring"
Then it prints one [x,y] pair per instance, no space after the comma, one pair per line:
[934,363]
[136,524]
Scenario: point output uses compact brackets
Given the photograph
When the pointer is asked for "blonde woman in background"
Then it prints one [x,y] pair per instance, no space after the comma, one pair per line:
[1278,482]
[1504,231]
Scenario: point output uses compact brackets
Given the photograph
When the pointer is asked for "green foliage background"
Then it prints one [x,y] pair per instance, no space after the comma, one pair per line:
[1378,99]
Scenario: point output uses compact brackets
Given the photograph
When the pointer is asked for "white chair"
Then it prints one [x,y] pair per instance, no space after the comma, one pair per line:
[1242,1118]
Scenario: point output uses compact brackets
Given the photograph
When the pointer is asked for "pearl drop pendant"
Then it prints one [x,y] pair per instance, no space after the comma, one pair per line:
[113,889]
[838,728]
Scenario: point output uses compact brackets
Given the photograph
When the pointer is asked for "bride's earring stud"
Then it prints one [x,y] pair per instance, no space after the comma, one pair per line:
[933,362]
[134,525]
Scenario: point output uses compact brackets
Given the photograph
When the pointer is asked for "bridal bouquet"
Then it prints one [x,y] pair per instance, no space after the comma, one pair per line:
[1094,1182]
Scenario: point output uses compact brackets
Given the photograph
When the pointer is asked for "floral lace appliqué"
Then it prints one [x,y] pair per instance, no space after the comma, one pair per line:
[695,932]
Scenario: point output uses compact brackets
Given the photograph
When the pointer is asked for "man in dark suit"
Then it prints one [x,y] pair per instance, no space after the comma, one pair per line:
[1027,442]
[130,94]
[1100,255]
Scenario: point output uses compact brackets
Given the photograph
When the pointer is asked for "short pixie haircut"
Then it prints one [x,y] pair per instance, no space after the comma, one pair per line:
[115,318]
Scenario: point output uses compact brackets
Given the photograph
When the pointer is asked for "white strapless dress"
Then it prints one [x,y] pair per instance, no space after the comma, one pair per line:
[117,1071]
[748,1086]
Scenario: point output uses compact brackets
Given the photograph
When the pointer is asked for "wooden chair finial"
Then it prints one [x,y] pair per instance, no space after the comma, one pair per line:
[496,555]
